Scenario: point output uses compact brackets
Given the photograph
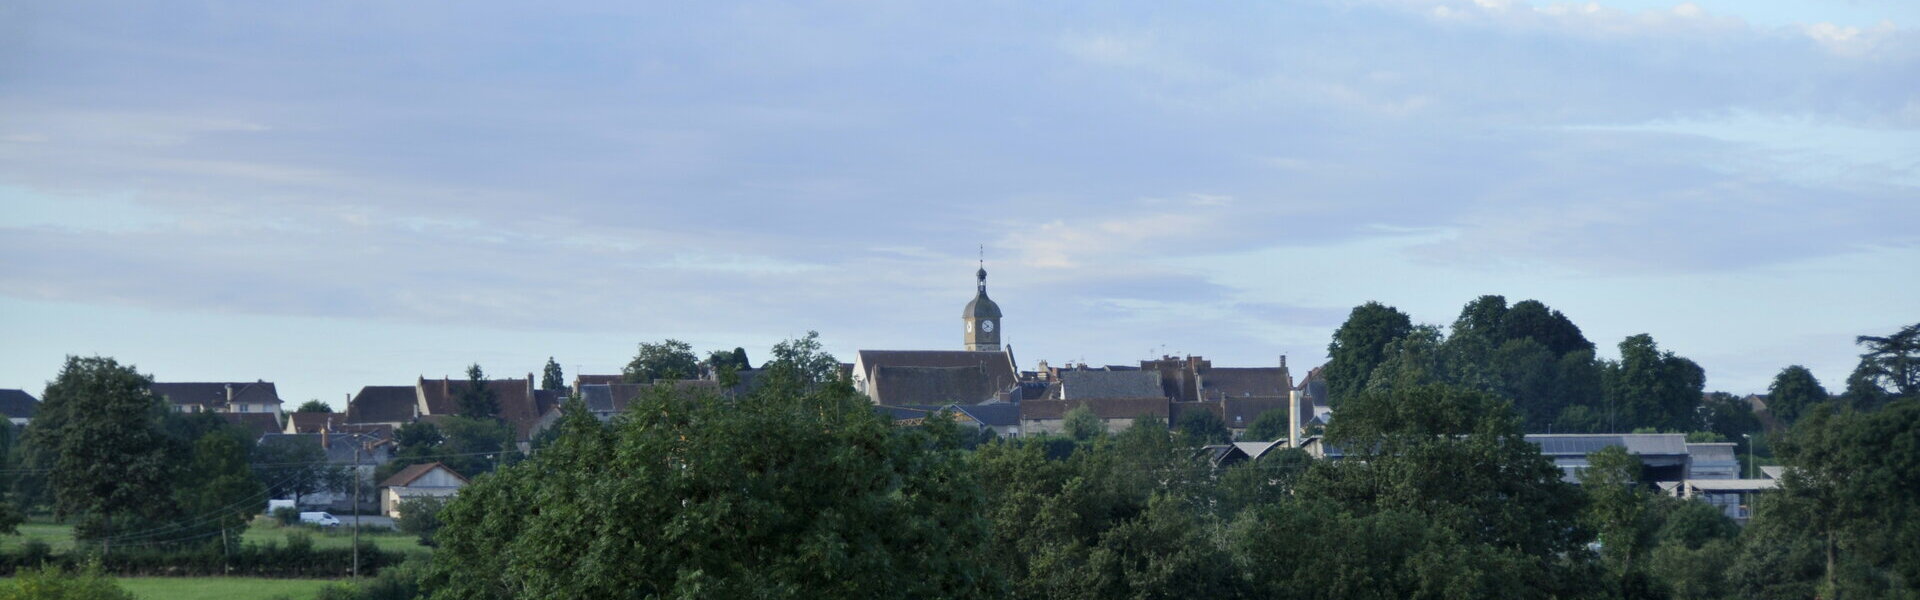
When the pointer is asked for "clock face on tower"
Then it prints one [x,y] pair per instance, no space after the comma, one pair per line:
[986,326]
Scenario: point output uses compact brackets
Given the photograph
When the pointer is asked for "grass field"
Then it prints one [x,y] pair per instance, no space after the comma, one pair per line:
[60,537]
[220,588]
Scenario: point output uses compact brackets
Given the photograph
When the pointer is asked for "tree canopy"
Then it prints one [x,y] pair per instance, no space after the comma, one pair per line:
[667,359]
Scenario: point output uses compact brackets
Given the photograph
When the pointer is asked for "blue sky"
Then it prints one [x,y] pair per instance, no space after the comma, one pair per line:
[330,195]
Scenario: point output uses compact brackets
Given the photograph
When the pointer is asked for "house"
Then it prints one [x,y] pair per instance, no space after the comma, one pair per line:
[240,397]
[313,422]
[390,405]
[514,397]
[912,377]
[1049,416]
[416,481]
[1002,418]
[18,405]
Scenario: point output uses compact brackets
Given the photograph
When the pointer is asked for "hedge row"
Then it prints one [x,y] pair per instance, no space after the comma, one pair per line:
[294,560]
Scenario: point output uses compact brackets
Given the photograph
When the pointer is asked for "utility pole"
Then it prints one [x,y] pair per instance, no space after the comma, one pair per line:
[357,447]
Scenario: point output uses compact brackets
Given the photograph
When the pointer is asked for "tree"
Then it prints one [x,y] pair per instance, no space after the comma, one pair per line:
[1728,415]
[1651,388]
[421,517]
[1793,393]
[1360,345]
[1531,319]
[803,359]
[1618,509]
[1268,426]
[551,379]
[669,359]
[1201,427]
[219,485]
[735,359]
[468,446]
[1893,361]
[313,406]
[295,466]
[97,433]
[828,500]
[1839,487]
[1081,424]
[1863,388]
[476,399]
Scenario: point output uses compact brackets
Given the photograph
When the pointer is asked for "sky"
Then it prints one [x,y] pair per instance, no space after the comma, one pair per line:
[335,194]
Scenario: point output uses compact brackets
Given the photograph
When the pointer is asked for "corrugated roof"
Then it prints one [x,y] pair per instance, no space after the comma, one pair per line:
[1582,444]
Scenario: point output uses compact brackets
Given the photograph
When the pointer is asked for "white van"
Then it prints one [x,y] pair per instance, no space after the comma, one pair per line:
[273,505]
[320,518]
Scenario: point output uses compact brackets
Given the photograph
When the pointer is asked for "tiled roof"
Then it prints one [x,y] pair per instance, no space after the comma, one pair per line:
[217,393]
[1081,385]
[258,424]
[313,422]
[1105,408]
[18,404]
[996,373]
[1178,410]
[340,448]
[383,404]
[412,472]
[1241,382]
[1240,412]
[932,385]
[580,381]
[514,397]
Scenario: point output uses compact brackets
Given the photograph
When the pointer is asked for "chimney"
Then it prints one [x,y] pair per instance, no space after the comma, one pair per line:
[1293,419]
[326,443]
[229,392]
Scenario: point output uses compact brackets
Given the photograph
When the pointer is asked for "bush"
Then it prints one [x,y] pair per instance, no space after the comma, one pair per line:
[53,583]
[34,552]
[421,517]
[402,582]
[299,542]
[286,515]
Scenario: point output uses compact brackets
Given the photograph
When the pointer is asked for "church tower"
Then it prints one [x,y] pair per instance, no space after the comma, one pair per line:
[982,318]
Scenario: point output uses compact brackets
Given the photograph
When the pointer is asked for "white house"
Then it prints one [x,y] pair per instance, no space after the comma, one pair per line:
[418,481]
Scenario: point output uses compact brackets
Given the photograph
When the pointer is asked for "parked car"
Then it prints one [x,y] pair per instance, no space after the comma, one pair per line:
[322,519]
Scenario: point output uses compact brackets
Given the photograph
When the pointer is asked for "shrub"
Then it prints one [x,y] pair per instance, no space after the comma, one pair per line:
[34,552]
[286,515]
[421,517]
[53,583]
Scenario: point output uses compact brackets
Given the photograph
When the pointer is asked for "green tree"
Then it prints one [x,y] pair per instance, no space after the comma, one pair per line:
[1863,388]
[313,406]
[735,359]
[1618,510]
[1651,388]
[828,501]
[468,446]
[97,434]
[1414,359]
[1531,319]
[669,359]
[1894,360]
[805,359]
[1793,393]
[219,485]
[1268,426]
[1081,424]
[476,399]
[551,379]
[295,466]
[1840,487]
[1360,345]
[1728,415]
[1201,427]
[421,517]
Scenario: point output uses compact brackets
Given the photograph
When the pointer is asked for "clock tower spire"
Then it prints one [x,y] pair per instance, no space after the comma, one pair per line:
[982,317]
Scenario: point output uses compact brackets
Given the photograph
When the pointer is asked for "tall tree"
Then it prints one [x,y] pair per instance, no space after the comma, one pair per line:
[1794,392]
[97,433]
[827,501]
[1081,424]
[669,359]
[551,379]
[735,359]
[1652,388]
[1531,319]
[1200,427]
[314,406]
[476,399]
[1619,510]
[804,359]
[1360,345]
[220,485]
[1849,486]
[1894,360]
[295,466]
